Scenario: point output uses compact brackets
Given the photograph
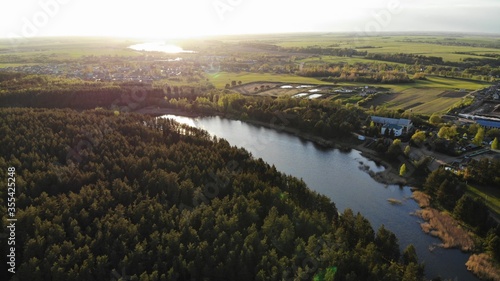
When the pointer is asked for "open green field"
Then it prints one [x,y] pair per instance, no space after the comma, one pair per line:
[3,65]
[220,79]
[436,94]
[13,53]
[445,46]
[442,83]
[490,195]
[425,100]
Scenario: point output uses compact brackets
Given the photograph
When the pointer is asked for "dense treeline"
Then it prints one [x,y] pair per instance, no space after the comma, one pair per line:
[483,172]
[406,58]
[486,55]
[326,51]
[19,90]
[365,75]
[454,42]
[102,195]
[470,62]
[358,72]
[471,68]
[5,76]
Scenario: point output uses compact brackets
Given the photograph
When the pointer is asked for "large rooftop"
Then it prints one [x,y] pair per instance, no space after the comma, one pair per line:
[391,121]
[489,124]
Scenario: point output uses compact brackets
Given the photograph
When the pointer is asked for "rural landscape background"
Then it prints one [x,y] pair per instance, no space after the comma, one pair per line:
[247,140]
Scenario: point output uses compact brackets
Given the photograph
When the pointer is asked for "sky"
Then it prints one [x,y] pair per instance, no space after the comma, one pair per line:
[189,18]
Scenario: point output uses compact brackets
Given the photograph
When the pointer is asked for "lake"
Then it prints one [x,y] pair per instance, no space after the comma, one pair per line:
[159,47]
[342,177]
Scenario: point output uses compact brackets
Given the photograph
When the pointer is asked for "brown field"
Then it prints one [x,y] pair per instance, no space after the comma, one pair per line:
[413,105]
[379,100]
[249,89]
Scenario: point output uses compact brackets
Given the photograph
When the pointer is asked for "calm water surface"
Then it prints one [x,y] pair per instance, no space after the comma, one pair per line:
[342,177]
[159,47]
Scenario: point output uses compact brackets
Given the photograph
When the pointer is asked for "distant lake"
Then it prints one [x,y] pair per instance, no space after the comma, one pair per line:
[159,47]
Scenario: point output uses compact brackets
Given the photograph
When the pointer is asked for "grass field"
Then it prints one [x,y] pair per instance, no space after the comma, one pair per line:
[64,48]
[442,83]
[444,46]
[491,197]
[436,94]
[425,100]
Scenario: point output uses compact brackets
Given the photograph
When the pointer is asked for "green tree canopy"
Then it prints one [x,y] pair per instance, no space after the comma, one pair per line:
[479,137]
[402,170]
[494,144]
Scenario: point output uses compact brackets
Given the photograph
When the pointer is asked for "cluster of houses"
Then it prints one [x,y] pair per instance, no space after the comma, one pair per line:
[402,126]
[147,71]
[493,92]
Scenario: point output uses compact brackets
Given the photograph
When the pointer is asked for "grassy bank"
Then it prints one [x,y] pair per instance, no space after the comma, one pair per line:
[490,196]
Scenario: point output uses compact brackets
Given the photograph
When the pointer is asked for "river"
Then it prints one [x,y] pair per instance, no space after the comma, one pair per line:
[342,177]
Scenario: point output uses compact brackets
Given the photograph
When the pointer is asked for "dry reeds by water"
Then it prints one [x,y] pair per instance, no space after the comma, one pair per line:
[484,267]
[422,199]
[442,225]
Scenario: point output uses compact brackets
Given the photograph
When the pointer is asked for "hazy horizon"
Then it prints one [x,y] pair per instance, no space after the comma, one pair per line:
[194,18]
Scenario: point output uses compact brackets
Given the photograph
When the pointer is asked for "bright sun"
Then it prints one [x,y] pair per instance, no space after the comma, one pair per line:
[178,19]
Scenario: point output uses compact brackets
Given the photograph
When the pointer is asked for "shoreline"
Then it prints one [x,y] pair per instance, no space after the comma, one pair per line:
[157,112]
[389,176]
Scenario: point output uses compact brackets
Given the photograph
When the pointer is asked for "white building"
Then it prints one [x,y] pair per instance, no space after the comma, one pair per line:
[399,126]
[398,130]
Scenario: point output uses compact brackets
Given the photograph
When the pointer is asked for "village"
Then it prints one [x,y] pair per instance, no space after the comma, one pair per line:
[455,139]
[145,69]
